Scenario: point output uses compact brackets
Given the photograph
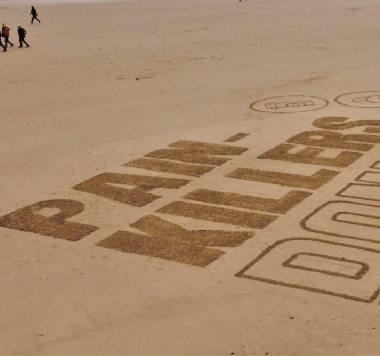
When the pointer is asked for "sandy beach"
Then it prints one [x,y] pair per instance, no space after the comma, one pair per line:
[186,177]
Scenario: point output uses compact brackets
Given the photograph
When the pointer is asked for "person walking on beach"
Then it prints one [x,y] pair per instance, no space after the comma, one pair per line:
[21,36]
[5,33]
[34,14]
[1,44]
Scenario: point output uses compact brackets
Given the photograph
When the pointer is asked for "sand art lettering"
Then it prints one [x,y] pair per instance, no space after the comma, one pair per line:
[302,103]
[345,219]
[164,239]
[289,104]
[347,279]
[293,104]
[266,210]
[365,99]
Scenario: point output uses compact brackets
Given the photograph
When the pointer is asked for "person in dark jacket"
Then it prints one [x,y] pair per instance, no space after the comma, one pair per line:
[21,36]
[34,14]
[1,44]
[5,33]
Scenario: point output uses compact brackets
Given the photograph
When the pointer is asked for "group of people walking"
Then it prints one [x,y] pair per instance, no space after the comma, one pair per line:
[5,33]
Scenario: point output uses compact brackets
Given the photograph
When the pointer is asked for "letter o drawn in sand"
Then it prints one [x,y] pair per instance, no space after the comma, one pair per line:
[289,104]
[364,99]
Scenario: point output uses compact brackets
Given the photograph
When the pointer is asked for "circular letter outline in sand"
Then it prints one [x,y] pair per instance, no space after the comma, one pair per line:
[360,99]
[289,104]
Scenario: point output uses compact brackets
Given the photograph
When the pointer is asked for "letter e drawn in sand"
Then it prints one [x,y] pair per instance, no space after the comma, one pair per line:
[309,155]
[315,181]
[319,266]
[275,206]
[331,139]
[33,218]
[171,242]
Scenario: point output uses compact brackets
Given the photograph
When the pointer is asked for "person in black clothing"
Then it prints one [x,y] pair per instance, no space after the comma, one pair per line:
[1,44]
[34,14]
[5,34]
[21,36]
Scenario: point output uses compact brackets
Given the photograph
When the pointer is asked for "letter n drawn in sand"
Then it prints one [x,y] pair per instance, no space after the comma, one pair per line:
[188,157]
[319,266]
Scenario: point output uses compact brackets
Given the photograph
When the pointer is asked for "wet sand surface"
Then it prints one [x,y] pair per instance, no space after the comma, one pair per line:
[191,178]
